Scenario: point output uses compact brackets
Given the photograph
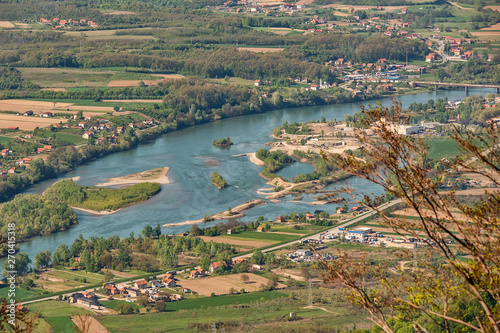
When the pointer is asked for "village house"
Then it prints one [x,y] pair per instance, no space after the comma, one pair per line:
[46,114]
[341,211]
[309,216]
[12,170]
[142,284]
[170,283]
[85,298]
[156,284]
[197,273]
[214,266]
[260,229]
[280,219]
[88,135]
[256,83]
[111,288]
[28,113]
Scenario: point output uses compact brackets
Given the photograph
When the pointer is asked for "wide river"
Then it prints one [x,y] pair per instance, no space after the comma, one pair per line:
[192,158]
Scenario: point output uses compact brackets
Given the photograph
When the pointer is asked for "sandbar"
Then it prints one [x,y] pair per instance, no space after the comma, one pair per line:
[253,159]
[236,212]
[158,175]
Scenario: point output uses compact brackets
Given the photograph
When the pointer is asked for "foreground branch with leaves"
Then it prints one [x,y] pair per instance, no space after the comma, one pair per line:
[454,283]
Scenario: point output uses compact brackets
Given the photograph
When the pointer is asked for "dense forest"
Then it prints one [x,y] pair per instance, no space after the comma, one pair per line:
[100,199]
[35,215]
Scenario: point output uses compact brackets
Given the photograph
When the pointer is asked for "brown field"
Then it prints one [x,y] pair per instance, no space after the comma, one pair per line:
[89,324]
[497,8]
[55,89]
[413,213]
[305,2]
[261,49]
[23,25]
[237,242]
[108,34]
[20,105]
[119,12]
[281,31]
[337,13]
[170,76]
[486,34]
[220,285]
[6,24]
[493,27]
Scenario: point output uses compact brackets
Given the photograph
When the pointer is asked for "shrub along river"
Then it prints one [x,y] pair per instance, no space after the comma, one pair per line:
[192,158]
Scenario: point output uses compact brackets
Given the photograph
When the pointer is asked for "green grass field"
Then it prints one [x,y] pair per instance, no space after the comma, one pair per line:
[20,293]
[4,139]
[61,324]
[73,139]
[269,236]
[91,278]
[442,147]
[62,77]
[113,304]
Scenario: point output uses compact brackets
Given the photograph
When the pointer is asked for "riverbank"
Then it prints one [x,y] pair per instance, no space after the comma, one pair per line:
[158,175]
[235,212]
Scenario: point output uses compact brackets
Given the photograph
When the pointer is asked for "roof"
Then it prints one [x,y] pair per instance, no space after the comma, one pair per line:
[139,283]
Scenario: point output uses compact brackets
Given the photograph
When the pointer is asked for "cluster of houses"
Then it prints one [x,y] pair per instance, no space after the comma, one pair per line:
[143,288]
[307,256]
[59,24]
[30,113]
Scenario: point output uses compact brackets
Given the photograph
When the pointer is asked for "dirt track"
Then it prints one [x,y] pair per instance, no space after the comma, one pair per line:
[261,49]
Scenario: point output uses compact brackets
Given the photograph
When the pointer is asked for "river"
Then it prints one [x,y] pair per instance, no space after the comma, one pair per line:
[192,158]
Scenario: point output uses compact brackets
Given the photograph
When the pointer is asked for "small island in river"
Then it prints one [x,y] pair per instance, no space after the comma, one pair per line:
[218,181]
[224,142]
[100,200]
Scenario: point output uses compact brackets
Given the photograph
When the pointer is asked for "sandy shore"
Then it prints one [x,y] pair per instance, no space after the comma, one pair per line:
[95,212]
[158,175]
[237,212]
[253,159]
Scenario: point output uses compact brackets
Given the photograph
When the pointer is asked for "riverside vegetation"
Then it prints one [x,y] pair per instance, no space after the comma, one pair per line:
[218,181]
[100,199]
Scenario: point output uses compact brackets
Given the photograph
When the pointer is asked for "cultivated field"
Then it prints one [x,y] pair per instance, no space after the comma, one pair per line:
[89,324]
[493,27]
[116,12]
[25,123]
[6,24]
[261,49]
[497,8]
[108,34]
[488,35]
[221,284]
[133,100]
[62,77]
[38,107]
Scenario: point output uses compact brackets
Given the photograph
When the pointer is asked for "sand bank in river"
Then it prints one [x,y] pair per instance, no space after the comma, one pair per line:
[253,159]
[158,175]
[236,212]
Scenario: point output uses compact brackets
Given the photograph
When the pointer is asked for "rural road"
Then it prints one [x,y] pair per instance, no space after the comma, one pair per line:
[333,230]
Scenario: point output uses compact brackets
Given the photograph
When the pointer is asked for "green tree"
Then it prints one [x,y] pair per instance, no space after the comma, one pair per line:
[21,265]
[62,254]
[43,259]
[257,257]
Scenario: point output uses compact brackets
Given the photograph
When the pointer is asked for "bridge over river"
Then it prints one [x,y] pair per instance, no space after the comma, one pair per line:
[464,85]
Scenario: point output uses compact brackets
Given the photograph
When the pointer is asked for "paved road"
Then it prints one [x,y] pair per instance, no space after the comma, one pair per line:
[333,230]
